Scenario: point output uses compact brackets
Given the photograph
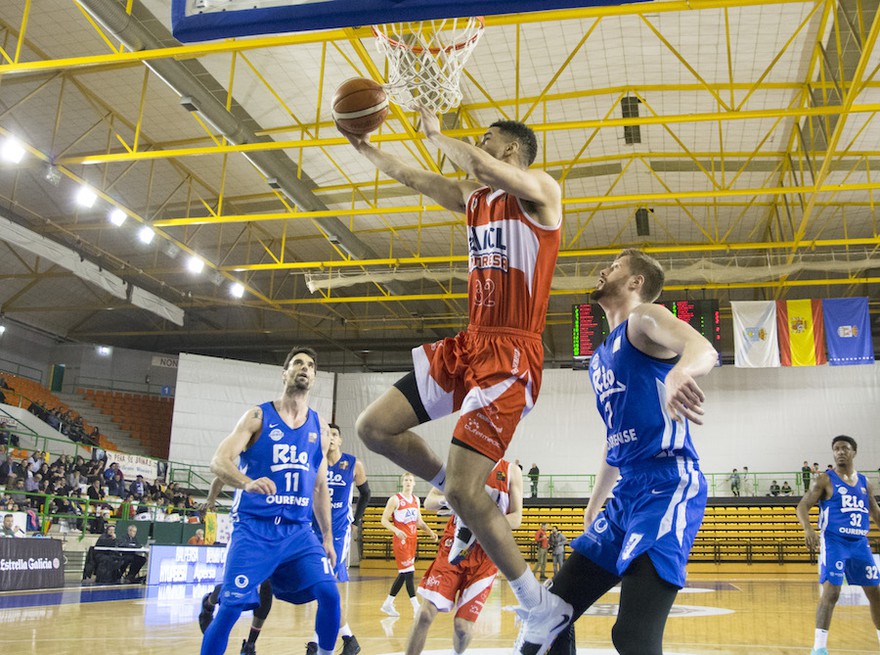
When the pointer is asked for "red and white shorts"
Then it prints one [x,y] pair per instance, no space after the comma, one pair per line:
[491,377]
[405,553]
[464,586]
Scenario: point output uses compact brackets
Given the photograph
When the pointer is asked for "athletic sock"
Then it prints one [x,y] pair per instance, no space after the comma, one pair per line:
[253,634]
[821,638]
[345,631]
[878,635]
[321,651]
[439,480]
[527,589]
[389,600]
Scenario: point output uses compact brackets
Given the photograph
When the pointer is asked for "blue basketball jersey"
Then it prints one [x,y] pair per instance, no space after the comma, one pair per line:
[291,459]
[846,513]
[340,479]
[631,397]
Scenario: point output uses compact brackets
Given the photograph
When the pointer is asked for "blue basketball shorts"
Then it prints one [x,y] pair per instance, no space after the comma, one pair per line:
[657,509]
[287,553]
[839,557]
[342,545]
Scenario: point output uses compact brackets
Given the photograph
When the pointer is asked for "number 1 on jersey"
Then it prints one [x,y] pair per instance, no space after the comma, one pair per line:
[292,480]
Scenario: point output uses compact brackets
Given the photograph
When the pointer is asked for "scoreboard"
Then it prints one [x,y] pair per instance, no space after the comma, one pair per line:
[589,327]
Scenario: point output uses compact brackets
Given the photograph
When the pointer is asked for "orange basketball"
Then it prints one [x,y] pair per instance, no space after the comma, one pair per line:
[360,105]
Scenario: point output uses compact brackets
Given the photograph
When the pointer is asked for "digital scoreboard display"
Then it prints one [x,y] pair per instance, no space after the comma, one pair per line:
[589,327]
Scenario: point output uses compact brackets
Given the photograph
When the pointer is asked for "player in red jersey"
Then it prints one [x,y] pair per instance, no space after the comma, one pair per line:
[463,587]
[491,372]
[403,517]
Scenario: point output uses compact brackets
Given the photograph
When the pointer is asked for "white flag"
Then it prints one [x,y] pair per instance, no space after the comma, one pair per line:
[754,334]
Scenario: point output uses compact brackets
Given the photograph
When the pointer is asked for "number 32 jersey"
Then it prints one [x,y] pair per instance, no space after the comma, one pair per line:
[846,513]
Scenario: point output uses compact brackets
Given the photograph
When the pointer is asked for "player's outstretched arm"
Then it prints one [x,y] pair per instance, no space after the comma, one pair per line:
[534,186]
[451,194]
[817,492]
[652,326]
[213,494]
[223,463]
[435,500]
[515,497]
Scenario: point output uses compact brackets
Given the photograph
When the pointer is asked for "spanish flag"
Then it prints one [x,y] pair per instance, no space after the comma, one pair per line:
[801,332]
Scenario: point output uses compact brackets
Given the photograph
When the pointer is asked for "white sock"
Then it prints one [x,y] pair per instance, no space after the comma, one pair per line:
[389,601]
[315,637]
[321,651]
[345,631]
[527,589]
[439,480]
[415,602]
[821,638]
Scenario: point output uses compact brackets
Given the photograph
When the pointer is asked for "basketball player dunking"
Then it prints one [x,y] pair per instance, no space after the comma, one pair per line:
[491,372]
[643,376]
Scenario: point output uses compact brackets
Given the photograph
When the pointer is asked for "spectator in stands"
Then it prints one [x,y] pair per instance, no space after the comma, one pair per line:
[786,488]
[5,470]
[534,474]
[32,483]
[127,508]
[9,528]
[814,473]
[93,437]
[138,489]
[3,454]
[35,461]
[734,482]
[18,494]
[4,384]
[747,487]
[116,485]
[775,488]
[557,542]
[542,542]
[158,487]
[133,562]
[806,472]
[110,471]
[198,539]
[107,563]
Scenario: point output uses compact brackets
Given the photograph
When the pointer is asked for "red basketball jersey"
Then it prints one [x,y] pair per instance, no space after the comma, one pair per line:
[406,515]
[511,258]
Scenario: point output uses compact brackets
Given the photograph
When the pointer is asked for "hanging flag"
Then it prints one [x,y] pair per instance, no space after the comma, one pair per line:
[754,334]
[801,332]
[210,527]
[848,331]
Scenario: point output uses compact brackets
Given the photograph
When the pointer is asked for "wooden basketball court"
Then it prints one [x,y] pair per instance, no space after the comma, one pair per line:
[716,614]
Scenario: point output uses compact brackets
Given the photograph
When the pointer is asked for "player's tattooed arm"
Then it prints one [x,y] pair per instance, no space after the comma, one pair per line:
[223,464]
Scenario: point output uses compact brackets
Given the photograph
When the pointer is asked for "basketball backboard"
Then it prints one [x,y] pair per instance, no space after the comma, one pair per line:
[202,20]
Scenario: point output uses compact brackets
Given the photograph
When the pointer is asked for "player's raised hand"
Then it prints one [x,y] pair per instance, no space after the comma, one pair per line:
[263,486]
[684,399]
[430,122]
[357,140]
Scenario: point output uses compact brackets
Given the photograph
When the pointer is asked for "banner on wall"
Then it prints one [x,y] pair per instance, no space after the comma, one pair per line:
[754,334]
[801,332]
[848,331]
[164,361]
[134,465]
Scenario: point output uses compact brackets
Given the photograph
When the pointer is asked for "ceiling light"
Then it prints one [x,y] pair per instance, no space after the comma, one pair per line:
[195,264]
[146,234]
[85,197]
[236,290]
[52,175]
[117,217]
[104,351]
[12,150]
[2,329]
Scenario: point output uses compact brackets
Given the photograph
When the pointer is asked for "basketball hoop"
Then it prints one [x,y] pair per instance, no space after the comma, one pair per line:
[425,60]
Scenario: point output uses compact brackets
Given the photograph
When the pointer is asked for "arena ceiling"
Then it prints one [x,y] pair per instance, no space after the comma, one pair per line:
[744,130]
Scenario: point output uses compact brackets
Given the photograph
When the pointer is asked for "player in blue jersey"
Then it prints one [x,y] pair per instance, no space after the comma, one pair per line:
[281,483]
[344,473]
[846,507]
[644,377]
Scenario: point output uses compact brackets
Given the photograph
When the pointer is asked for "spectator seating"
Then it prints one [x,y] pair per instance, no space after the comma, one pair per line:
[24,391]
[146,417]
[731,533]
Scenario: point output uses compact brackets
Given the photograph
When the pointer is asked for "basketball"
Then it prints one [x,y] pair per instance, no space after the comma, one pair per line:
[360,105]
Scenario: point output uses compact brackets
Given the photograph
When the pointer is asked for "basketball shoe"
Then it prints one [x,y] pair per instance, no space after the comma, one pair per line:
[350,646]
[819,651]
[312,648]
[388,608]
[461,544]
[541,625]
[248,648]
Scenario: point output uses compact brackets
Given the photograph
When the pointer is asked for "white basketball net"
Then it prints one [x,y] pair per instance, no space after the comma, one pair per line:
[425,60]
